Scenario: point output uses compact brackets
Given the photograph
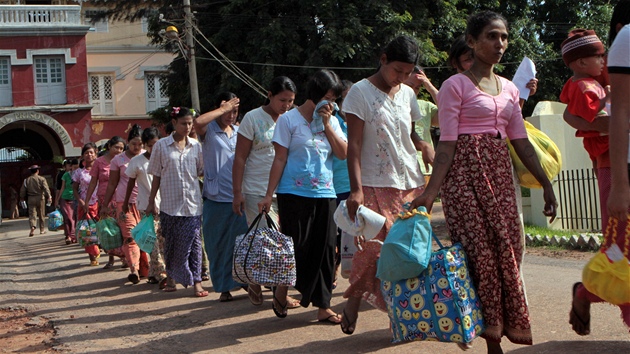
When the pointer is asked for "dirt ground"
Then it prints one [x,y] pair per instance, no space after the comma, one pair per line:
[21,333]
[51,299]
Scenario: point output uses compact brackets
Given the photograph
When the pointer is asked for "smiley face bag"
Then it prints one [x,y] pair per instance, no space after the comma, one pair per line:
[440,304]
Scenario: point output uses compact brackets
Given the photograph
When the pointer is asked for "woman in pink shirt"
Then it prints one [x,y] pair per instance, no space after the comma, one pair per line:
[117,187]
[477,111]
[100,178]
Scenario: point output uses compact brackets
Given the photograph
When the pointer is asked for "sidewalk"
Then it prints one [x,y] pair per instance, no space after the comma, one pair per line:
[98,311]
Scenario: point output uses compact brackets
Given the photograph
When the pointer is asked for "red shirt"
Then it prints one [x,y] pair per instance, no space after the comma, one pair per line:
[582,97]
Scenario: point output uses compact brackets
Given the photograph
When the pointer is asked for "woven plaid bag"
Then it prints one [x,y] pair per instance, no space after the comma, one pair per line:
[264,256]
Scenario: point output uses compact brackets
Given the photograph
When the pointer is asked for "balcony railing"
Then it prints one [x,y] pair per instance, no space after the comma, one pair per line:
[40,16]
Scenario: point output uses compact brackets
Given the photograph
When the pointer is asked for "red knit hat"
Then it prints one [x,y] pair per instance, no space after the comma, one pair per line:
[582,43]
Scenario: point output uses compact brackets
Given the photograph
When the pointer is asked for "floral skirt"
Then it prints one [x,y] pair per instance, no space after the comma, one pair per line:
[363,281]
[479,203]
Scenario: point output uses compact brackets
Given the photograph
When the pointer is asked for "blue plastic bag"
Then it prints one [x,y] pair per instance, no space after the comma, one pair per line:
[55,220]
[407,248]
[144,234]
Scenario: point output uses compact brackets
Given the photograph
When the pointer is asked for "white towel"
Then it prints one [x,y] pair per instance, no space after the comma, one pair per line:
[367,222]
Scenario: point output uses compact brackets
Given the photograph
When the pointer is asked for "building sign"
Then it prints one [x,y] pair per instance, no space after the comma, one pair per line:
[48,121]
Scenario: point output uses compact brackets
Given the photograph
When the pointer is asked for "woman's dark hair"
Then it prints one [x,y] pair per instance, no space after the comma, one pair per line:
[134,132]
[345,85]
[87,147]
[402,48]
[621,14]
[320,83]
[223,96]
[113,141]
[477,22]
[168,128]
[280,84]
[179,112]
[149,134]
[458,49]
[74,161]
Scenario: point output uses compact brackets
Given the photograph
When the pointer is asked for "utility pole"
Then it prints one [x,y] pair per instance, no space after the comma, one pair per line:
[192,66]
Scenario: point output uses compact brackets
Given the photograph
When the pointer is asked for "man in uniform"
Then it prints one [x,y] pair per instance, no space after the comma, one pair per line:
[34,190]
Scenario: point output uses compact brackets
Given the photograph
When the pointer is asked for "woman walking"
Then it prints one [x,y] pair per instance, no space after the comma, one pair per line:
[382,164]
[305,139]
[253,158]
[139,178]
[126,215]
[99,182]
[176,163]
[220,225]
[65,201]
[477,111]
[86,207]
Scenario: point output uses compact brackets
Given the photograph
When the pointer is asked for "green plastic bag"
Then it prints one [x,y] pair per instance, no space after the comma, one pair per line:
[109,234]
[144,234]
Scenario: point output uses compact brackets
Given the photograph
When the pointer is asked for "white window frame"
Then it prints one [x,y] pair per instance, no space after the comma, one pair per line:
[103,105]
[101,26]
[6,87]
[154,97]
[50,84]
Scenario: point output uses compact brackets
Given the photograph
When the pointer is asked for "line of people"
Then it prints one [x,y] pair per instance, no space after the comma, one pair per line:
[298,162]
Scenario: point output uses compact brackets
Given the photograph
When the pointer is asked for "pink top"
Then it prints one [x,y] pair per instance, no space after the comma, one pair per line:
[120,163]
[465,109]
[100,170]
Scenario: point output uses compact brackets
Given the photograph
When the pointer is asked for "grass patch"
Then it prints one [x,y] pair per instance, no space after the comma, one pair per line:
[543,231]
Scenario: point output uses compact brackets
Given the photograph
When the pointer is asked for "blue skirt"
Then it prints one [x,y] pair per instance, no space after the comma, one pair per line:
[182,247]
[220,228]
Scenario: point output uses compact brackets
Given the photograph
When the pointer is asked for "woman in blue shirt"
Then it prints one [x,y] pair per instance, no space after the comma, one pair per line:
[305,140]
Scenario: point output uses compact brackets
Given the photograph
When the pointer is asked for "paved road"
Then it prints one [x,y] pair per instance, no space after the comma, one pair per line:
[97,311]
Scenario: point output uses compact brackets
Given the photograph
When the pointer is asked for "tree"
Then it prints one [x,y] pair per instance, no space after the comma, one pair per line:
[296,37]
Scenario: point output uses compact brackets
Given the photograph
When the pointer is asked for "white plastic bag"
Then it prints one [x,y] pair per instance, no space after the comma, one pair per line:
[348,248]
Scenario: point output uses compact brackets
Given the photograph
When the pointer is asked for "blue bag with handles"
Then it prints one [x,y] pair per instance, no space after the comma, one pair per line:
[407,248]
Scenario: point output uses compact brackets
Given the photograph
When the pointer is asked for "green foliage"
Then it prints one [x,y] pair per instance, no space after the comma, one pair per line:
[295,37]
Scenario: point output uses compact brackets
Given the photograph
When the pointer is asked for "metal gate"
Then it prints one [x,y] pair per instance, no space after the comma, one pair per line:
[578,198]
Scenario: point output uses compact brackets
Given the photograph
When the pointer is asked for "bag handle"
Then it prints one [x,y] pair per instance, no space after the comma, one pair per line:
[255,224]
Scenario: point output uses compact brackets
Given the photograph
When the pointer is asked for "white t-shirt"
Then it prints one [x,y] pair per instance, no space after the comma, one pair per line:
[388,156]
[619,57]
[257,126]
[137,169]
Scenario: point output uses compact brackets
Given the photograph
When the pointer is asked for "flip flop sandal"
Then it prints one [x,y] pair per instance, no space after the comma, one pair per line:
[256,298]
[205,276]
[225,297]
[293,303]
[163,283]
[202,293]
[586,324]
[108,265]
[133,278]
[349,324]
[282,312]
[152,280]
[169,289]
[329,320]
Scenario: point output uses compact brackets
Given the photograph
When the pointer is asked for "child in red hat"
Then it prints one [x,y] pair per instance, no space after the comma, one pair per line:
[583,53]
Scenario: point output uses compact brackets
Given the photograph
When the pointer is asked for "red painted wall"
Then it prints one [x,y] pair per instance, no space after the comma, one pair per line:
[23,76]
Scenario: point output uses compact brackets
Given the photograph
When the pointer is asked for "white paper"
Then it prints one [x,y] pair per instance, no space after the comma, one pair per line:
[525,72]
